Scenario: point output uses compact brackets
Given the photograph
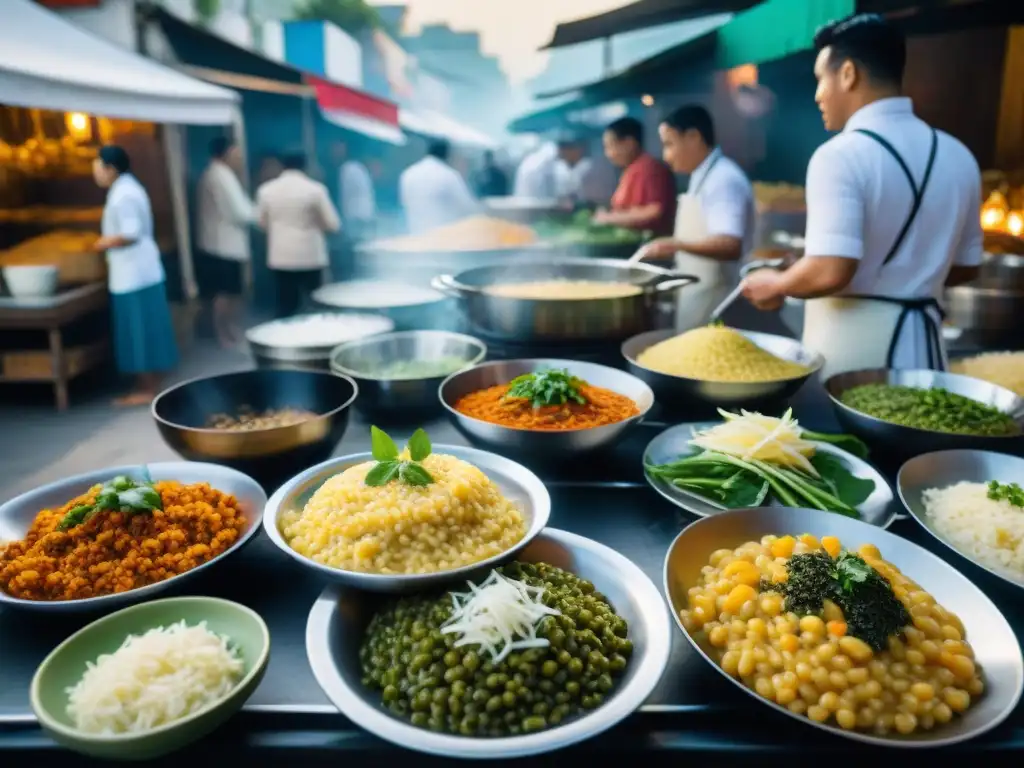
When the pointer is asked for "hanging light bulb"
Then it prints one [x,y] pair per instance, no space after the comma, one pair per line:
[994,212]
[79,126]
[1015,223]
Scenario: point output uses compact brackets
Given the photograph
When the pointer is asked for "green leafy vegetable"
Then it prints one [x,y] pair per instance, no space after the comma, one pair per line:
[390,467]
[849,443]
[122,494]
[841,481]
[548,387]
[872,612]
[1011,493]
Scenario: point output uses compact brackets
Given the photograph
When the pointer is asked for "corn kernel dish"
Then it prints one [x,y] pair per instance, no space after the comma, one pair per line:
[824,664]
[459,519]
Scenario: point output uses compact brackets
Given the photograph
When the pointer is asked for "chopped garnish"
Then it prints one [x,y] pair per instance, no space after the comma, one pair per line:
[122,494]
[544,388]
[391,466]
[501,616]
[1011,493]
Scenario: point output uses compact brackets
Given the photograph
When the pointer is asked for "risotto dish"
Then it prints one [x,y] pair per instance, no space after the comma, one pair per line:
[405,513]
[843,638]
[565,290]
[717,353]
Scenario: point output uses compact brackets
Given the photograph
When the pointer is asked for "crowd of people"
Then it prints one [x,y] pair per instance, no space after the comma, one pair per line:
[891,217]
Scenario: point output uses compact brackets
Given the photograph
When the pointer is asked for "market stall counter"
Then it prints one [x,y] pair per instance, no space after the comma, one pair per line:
[57,363]
[692,713]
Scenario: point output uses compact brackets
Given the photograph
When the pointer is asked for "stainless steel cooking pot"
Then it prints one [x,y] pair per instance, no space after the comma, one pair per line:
[562,320]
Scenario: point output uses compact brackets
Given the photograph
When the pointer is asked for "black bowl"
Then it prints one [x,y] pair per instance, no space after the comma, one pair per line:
[271,455]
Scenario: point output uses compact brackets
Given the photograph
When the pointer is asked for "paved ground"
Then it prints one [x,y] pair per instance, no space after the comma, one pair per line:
[38,444]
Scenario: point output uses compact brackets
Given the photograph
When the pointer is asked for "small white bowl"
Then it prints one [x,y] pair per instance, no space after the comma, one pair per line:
[28,281]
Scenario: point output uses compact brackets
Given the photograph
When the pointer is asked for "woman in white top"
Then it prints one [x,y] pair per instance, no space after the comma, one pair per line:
[892,213]
[144,342]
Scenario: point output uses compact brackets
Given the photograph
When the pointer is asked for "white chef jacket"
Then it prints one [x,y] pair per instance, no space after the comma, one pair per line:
[358,202]
[589,181]
[296,211]
[858,199]
[433,193]
[537,174]
[127,213]
[224,213]
[726,197]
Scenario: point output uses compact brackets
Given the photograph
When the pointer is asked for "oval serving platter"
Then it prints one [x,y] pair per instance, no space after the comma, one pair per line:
[880,508]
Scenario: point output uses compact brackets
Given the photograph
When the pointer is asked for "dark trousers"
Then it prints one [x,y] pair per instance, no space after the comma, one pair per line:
[293,288]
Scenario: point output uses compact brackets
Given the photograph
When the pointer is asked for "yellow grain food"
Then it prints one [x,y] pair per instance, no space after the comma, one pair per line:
[459,519]
[809,664]
[564,290]
[474,233]
[717,353]
[1004,369]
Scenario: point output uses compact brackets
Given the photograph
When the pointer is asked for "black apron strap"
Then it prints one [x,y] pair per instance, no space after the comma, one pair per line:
[715,159]
[918,192]
[909,307]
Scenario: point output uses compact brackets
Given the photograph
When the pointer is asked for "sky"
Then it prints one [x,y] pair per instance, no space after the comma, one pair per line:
[512,30]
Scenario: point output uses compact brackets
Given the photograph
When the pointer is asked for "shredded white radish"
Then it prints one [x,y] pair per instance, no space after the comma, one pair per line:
[501,616]
[749,436]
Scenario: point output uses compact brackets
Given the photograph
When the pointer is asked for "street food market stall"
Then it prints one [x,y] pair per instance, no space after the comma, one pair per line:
[58,107]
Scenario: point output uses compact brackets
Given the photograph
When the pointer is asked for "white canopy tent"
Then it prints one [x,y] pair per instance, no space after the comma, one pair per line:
[48,63]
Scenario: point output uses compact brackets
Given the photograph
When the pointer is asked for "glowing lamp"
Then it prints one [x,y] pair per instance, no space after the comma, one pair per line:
[1015,223]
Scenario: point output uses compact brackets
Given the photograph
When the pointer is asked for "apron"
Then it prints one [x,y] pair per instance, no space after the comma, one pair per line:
[860,331]
[717,278]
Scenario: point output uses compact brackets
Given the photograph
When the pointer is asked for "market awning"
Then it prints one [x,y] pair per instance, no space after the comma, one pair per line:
[439,126]
[77,71]
[357,111]
[545,113]
[640,15]
[774,29]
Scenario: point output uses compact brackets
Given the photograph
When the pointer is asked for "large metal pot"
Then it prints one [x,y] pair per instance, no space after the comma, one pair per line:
[562,320]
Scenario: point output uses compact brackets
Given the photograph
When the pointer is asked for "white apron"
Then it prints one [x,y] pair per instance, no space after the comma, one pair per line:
[862,331]
[717,278]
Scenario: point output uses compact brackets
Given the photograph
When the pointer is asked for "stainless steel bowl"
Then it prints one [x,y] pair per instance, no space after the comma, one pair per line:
[562,320]
[945,468]
[726,394]
[315,357]
[516,482]
[417,307]
[402,397]
[17,515]
[896,442]
[879,508]
[987,307]
[338,621]
[271,455]
[560,443]
[995,645]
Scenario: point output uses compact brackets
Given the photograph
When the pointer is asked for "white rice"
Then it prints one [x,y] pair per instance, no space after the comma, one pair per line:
[369,294]
[321,330]
[990,532]
[153,679]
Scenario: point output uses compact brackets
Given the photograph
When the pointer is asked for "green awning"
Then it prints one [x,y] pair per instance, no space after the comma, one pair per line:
[774,29]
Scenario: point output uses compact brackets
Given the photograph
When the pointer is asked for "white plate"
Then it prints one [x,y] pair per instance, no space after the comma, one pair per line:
[878,509]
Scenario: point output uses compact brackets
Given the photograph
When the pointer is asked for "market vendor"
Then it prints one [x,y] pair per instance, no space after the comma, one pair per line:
[892,213]
[144,341]
[646,196]
[714,227]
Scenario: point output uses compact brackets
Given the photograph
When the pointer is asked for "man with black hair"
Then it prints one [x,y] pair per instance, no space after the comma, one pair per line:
[433,193]
[490,180]
[296,212]
[224,213]
[646,196]
[583,180]
[892,213]
[714,227]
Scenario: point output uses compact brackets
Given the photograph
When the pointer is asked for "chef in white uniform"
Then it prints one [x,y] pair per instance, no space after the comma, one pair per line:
[892,213]
[433,193]
[714,226]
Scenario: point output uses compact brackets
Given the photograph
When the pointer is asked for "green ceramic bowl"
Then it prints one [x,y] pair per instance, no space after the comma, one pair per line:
[64,667]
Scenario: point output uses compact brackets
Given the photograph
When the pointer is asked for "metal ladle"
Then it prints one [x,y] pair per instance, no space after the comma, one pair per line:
[734,294]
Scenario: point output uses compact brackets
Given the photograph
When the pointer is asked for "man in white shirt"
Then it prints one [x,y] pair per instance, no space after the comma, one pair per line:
[296,212]
[892,213]
[582,179]
[356,194]
[432,193]
[537,172]
[224,213]
[714,227]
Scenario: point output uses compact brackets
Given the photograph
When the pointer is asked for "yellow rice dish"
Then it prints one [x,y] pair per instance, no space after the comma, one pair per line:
[474,233]
[717,353]
[564,290]
[1004,369]
[459,519]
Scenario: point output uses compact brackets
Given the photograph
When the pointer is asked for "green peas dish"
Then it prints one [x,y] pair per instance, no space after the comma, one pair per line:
[424,678]
[936,410]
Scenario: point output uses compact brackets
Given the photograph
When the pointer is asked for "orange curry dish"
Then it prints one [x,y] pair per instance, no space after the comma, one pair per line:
[547,401]
[119,536]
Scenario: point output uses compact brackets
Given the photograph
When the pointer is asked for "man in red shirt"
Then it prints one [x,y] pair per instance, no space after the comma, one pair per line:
[646,195]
